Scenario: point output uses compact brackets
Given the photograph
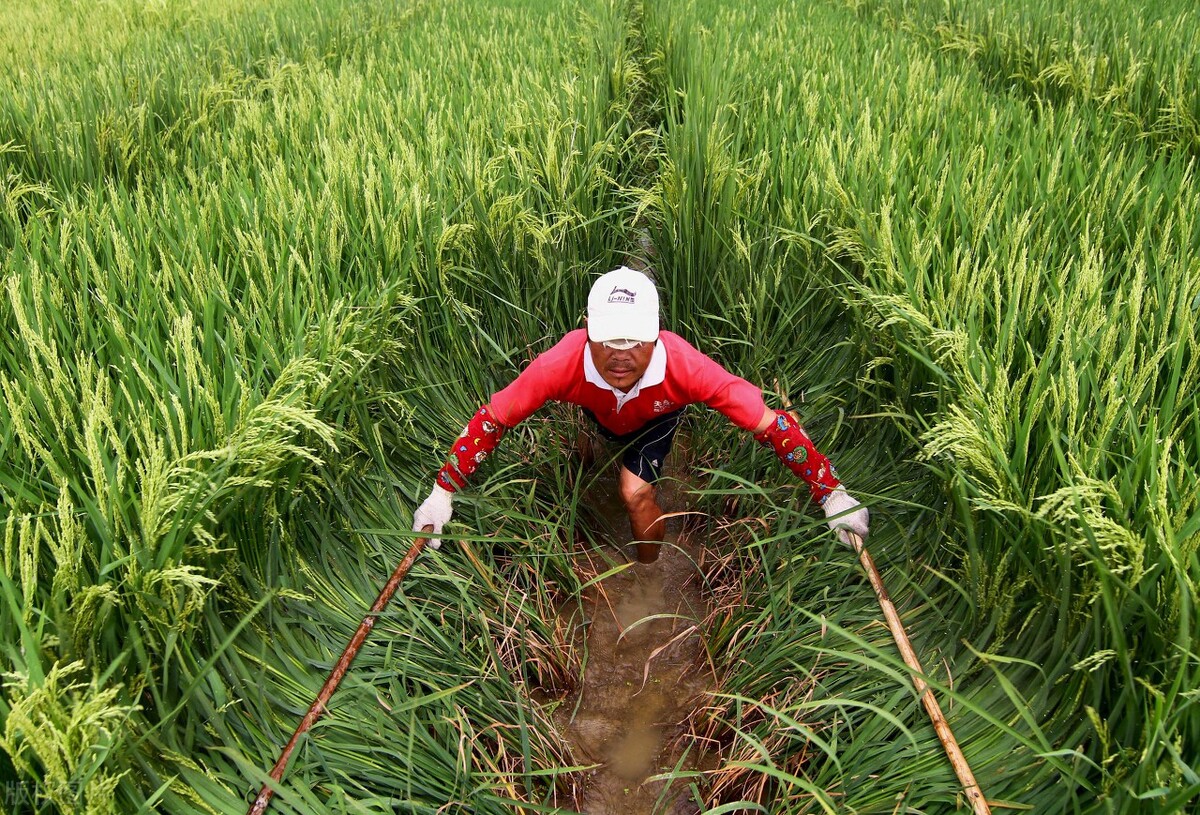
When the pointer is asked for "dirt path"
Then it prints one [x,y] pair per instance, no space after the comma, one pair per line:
[645,671]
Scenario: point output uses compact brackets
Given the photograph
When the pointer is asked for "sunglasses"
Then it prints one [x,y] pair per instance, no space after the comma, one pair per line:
[623,345]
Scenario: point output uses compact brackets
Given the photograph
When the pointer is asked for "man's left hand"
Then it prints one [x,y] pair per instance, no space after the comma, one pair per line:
[846,515]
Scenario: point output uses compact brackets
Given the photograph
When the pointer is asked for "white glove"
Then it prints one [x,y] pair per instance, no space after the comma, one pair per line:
[434,512]
[845,515]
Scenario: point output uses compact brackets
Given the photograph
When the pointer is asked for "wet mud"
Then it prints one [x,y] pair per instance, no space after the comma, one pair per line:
[646,669]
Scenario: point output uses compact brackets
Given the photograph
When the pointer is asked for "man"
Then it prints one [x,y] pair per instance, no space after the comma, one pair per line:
[634,380]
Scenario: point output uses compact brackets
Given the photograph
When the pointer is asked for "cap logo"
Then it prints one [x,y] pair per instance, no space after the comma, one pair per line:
[619,295]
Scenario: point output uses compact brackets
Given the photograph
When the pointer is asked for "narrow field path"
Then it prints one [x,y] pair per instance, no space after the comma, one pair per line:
[646,671]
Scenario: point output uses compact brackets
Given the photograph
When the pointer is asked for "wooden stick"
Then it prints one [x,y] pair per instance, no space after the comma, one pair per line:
[957,759]
[339,670]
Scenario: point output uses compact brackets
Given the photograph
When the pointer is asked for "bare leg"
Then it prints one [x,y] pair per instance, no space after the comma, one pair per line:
[645,515]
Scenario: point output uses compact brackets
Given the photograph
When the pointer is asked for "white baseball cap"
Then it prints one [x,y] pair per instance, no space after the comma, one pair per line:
[623,305]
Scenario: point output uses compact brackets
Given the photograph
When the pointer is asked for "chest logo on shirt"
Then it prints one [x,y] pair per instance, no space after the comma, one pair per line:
[663,405]
[619,295]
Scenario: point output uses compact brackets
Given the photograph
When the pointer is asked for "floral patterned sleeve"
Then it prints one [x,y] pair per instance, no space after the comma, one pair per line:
[476,442]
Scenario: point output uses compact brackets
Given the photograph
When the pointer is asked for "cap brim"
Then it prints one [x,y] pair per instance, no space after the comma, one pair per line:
[617,324]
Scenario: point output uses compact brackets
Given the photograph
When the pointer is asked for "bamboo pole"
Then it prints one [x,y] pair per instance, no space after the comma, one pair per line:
[957,759]
[339,670]
[961,768]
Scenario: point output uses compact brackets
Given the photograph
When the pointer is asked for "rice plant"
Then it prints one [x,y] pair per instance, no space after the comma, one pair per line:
[261,260]
[1019,286]
[253,256]
[1135,64]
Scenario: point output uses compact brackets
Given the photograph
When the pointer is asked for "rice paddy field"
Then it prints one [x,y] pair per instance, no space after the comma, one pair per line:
[262,260]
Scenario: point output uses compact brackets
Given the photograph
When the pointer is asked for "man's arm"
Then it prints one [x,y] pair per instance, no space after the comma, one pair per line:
[781,431]
[474,444]
[707,381]
[541,381]
[767,417]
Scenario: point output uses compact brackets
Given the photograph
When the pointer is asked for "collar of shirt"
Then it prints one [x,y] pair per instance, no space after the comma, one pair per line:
[655,373]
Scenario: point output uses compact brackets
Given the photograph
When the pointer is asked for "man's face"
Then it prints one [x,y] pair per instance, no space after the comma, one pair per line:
[621,369]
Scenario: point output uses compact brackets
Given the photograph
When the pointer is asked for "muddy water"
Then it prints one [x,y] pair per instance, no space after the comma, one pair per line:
[646,669]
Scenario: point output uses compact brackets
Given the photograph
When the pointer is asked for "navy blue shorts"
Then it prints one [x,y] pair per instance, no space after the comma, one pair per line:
[645,448]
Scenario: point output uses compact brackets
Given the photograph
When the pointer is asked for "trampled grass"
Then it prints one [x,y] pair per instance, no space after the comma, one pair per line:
[260,262]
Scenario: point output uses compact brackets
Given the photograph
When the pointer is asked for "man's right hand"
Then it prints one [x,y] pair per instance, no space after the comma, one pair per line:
[435,512]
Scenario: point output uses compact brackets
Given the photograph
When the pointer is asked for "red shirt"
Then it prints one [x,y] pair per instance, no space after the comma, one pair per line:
[678,375]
